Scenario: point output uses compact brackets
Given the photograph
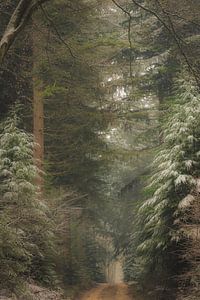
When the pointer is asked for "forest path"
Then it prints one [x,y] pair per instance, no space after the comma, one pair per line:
[109,292]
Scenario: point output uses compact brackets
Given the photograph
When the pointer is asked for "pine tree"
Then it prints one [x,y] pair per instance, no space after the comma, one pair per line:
[176,169]
[26,236]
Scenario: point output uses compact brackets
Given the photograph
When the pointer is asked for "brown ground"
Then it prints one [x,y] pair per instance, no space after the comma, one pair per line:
[109,292]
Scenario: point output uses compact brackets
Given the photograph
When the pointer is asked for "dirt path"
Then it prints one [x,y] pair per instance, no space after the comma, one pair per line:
[108,292]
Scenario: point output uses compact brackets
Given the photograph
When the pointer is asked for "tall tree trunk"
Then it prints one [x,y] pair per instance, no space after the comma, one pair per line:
[38,114]
[38,132]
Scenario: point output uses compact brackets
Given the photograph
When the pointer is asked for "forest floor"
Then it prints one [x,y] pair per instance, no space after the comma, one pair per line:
[34,292]
[110,292]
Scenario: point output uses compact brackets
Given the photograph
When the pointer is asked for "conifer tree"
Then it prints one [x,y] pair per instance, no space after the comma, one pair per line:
[176,169]
[26,235]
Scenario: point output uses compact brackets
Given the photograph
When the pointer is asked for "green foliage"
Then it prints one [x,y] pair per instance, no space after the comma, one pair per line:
[76,127]
[86,256]
[26,235]
[176,168]
[72,101]
[81,259]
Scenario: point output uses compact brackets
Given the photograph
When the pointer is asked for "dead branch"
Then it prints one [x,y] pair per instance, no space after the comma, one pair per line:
[17,22]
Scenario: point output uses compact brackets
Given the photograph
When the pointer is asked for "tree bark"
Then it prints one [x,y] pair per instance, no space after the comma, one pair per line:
[38,132]
[17,22]
[38,114]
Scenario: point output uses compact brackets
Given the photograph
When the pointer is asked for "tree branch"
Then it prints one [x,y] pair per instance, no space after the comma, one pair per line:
[178,41]
[129,33]
[172,32]
[18,20]
[46,15]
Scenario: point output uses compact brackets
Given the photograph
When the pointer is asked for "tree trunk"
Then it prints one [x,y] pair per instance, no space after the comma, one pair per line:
[38,132]
[38,114]
[18,20]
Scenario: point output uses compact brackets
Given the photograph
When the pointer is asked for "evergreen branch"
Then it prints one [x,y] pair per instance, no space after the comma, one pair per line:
[46,15]
[172,32]
[129,33]
[178,41]
[153,13]
[182,18]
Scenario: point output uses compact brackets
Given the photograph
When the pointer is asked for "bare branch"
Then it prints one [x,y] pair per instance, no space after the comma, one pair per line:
[18,20]
[129,33]
[178,41]
[173,33]
[46,15]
